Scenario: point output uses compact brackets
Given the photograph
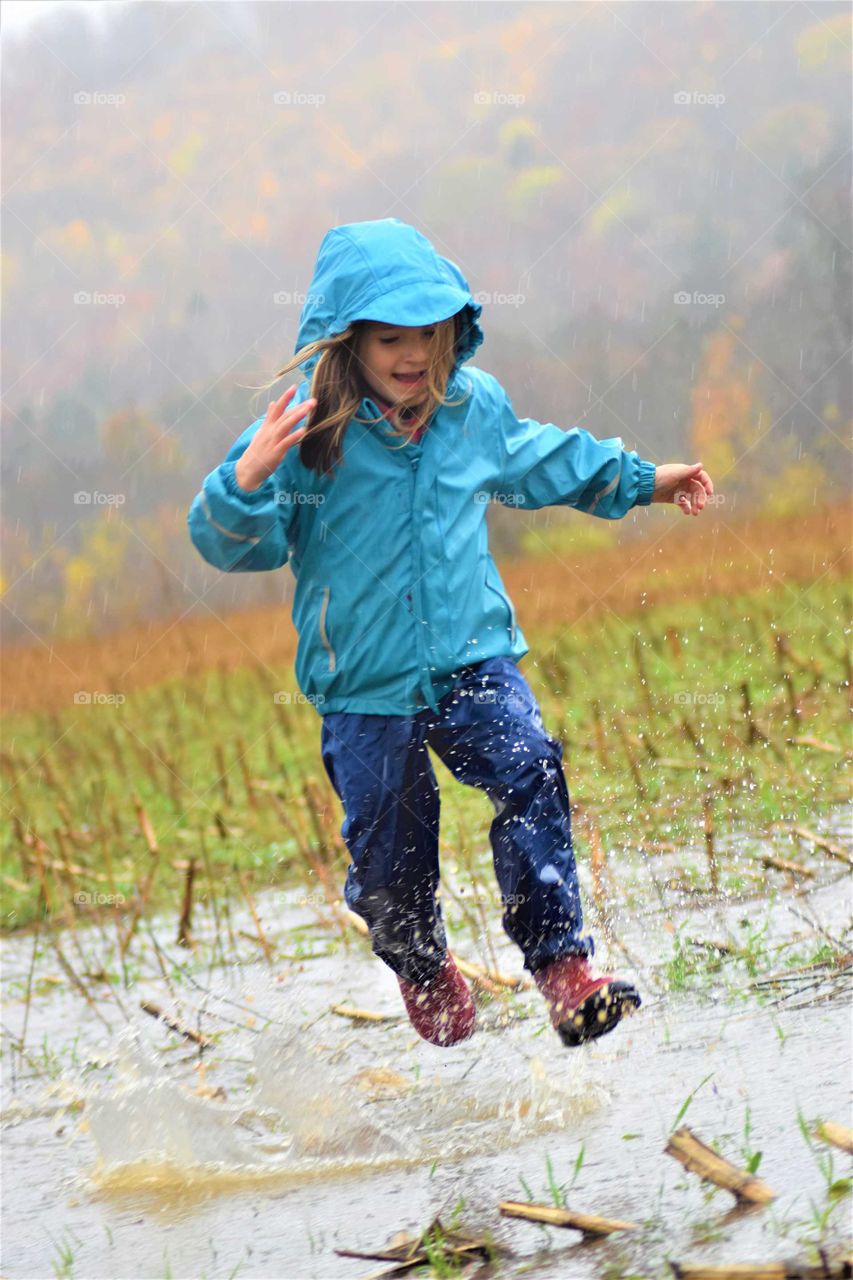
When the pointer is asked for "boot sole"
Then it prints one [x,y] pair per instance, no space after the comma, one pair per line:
[599,1013]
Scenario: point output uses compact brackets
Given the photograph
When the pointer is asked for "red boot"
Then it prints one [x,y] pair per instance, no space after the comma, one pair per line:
[440,1010]
[581,1006]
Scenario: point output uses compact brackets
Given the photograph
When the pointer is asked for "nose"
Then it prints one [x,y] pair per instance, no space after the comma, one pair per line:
[414,353]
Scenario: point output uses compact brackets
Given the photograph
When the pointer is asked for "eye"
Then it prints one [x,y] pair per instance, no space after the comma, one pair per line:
[386,341]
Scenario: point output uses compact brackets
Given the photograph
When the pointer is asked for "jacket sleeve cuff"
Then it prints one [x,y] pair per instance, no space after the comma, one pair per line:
[235,512]
[646,485]
[251,497]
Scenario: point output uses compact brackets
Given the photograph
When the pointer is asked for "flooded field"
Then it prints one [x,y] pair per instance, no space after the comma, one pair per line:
[285,1131]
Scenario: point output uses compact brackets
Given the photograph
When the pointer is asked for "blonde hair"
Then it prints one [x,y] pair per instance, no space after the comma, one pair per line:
[338,385]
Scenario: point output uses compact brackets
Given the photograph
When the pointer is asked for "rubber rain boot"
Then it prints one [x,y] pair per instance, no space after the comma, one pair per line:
[583,1007]
[441,1010]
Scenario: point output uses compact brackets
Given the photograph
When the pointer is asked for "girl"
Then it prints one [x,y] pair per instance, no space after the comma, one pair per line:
[407,637]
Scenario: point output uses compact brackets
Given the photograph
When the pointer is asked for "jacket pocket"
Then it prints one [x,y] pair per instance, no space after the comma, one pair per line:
[322,627]
[507,604]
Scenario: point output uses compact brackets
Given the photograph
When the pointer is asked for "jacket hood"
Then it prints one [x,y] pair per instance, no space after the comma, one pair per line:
[385,270]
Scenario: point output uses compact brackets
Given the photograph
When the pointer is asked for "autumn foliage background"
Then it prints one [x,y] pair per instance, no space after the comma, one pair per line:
[183,162]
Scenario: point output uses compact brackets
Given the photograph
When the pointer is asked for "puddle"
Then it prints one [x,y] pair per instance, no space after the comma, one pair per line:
[304,1131]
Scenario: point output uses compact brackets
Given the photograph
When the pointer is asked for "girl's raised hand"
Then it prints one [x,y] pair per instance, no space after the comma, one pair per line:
[685,484]
[271,441]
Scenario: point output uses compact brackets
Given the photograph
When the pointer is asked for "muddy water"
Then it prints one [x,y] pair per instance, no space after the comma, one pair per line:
[306,1132]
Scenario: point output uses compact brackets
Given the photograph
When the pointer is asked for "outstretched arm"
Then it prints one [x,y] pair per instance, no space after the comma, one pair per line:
[542,465]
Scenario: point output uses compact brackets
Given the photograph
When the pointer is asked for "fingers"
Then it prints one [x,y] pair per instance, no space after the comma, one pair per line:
[689,498]
[292,439]
[290,421]
[284,421]
[277,407]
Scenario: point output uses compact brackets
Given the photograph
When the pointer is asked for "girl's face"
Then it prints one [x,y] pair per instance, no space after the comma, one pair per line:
[394,359]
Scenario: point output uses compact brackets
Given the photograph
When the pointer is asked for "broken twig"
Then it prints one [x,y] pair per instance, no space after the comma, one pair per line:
[698,1158]
[591,1226]
[837,1135]
[155,1011]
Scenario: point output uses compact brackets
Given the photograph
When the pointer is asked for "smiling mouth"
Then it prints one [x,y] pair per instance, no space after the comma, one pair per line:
[410,378]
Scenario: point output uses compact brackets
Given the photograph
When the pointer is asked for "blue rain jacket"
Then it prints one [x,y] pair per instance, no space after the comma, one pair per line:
[396,589]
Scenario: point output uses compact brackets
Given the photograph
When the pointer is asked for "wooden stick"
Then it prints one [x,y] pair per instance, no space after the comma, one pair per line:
[597,863]
[155,1011]
[692,766]
[409,1251]
[185,937]
[350,919]
[222,773]
[782,864]
[145,825]
[757,1271]
[363,1015]
[632,759]
[143,890]
[710,851]
[690,1151]
[754,733]
[837,1135]
[695,738]
[600,736]
[242,752]
[817,744]
[250,903]
[590,1225]
[825,846]
[794,710]
[490,976]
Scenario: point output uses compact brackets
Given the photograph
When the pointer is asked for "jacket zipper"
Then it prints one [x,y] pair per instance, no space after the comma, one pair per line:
[322,627]
[413,461]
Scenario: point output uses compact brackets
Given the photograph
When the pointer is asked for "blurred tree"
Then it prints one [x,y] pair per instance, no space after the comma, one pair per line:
[724,421]
[133,441]
[98,581]
[825,45]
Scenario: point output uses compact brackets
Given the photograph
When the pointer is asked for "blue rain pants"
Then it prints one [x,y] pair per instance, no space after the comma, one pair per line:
[488,731]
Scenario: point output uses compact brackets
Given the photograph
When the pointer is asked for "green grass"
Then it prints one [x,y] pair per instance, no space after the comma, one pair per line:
[71,777]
